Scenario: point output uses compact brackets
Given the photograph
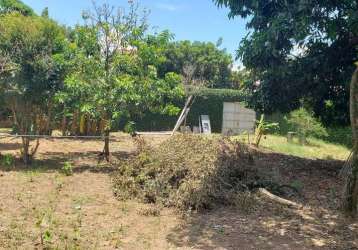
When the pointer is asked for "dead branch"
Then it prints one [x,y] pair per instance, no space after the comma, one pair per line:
[277,199]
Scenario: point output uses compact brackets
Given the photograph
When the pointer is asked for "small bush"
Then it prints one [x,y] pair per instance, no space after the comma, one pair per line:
[67,168]
[188,172]
[305,124]
[130,127]
[262,128]
[340,135]
[281,119]
[7,160]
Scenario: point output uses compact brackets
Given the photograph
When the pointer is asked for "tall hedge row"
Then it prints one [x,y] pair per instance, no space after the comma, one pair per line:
[207,102]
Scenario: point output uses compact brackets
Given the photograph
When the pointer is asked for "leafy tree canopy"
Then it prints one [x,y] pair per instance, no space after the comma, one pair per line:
[300,49]
[209,63]
[31,47]
[114,69]
[8,6]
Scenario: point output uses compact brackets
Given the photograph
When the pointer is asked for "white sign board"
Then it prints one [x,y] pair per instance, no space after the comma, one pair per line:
[205,124]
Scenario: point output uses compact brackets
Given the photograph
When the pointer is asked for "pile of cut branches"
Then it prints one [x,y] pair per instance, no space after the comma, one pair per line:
[188,172]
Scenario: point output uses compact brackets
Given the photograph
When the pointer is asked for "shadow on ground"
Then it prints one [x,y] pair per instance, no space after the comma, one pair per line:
[318,225]
[10,146]
[268,226]
[86,161]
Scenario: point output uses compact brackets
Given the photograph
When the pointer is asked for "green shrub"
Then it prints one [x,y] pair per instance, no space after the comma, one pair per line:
[130,127]
[67,168]
[335,135]
[339,135]
[262,128]
[305,124]
[281,119]
[7,160]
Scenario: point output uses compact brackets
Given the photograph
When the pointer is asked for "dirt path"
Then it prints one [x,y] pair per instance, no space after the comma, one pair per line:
[42,208]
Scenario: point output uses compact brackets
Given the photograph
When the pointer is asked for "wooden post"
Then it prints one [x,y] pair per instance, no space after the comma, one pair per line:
[183,114]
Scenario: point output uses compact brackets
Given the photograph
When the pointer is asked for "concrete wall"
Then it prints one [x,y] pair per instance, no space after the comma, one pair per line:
[237,119]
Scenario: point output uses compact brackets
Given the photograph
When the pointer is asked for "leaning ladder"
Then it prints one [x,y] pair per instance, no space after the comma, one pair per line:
[183,113]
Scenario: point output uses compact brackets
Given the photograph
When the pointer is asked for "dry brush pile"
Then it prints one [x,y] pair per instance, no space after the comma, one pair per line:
[188,172]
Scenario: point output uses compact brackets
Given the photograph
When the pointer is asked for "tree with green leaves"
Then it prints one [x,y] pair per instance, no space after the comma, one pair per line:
[30,74]
[305,125]
[45,13]
[114,69]
[9,6]
[208,61]
[302,50]
[112,32]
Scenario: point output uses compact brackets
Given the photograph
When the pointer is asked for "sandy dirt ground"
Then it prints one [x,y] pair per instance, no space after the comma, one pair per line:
[41,208]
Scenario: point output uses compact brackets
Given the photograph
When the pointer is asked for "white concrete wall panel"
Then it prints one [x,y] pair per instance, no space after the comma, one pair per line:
[237,119]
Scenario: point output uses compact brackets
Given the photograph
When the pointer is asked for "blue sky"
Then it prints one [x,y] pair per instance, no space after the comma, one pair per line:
[196,20]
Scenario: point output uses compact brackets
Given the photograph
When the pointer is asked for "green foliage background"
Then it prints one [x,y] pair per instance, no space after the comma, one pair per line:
[299,50]
[336,135]
[207,102]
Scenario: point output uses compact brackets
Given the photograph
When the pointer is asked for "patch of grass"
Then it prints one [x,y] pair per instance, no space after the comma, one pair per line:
[67,168]
[44,224]
[341,135]
[81,200]
[124,208]
[31,175]
[297,184]
[7,160]
[15,233]
[316,148]
[59,184]
[5,130]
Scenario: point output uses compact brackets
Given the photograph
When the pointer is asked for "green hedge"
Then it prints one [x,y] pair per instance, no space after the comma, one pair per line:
[336,135]
[207,102]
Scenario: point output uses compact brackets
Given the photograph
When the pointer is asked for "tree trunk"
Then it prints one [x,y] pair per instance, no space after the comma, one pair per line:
[25,150]
[82,124]
[64,125]
[89,127]
[75,123]
[15,127]
[49,120]
[350,197]
[106,145]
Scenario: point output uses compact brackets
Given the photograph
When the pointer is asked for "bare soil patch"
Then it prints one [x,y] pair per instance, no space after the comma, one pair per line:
[42,208]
